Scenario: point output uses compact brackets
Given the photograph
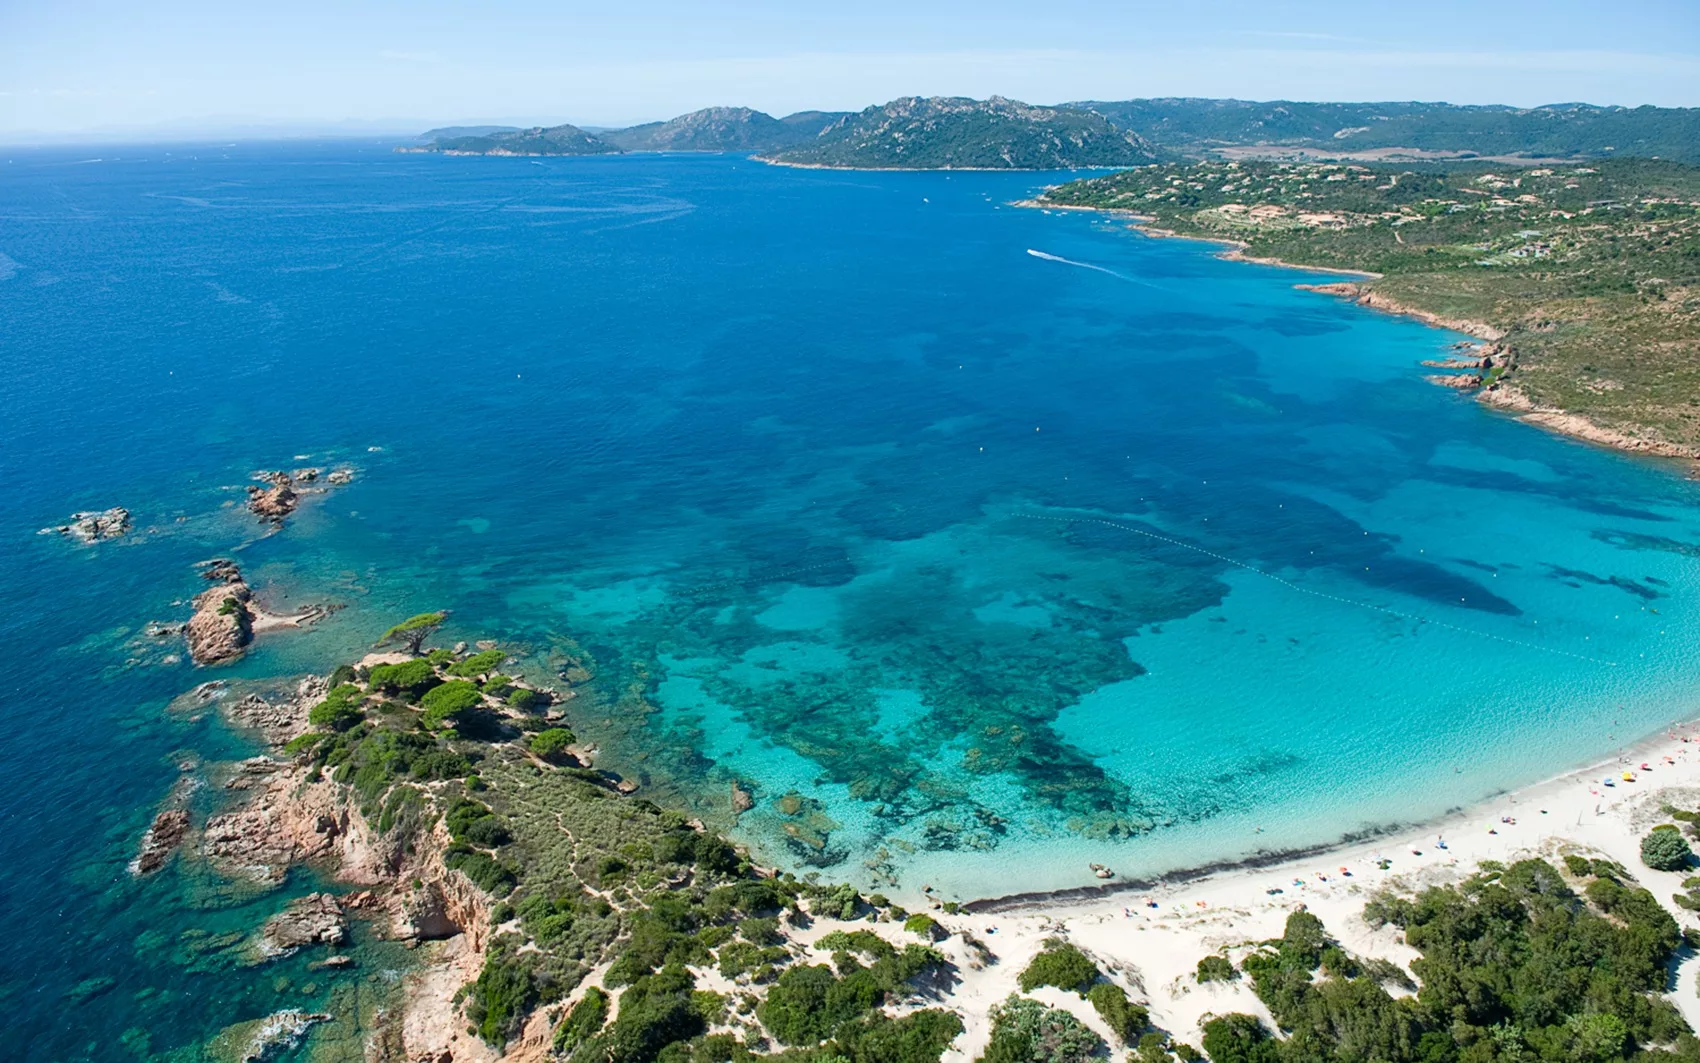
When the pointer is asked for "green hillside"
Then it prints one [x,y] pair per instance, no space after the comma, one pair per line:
[722,129]
[1199,126]
[958,133]
[555,140]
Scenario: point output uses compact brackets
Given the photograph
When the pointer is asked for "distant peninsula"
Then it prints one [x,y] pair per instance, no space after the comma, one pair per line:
[953,132]
[913,133]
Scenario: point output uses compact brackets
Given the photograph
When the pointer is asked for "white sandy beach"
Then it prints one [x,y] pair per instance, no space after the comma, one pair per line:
[1151,942]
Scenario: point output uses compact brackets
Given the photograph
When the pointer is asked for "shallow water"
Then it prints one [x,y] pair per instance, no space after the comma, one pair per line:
[996,562]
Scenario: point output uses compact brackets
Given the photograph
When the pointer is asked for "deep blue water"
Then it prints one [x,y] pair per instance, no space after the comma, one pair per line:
[1001,562]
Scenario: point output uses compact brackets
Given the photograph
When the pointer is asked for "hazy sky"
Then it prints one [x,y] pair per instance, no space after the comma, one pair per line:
[124,64]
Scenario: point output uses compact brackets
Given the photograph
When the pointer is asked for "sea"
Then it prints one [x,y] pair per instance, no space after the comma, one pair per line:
[977,543]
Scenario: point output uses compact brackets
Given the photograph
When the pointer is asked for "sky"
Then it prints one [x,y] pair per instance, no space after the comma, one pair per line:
[175,67]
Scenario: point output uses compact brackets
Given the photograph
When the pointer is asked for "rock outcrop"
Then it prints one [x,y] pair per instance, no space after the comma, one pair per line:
[161,840]
[282,491]
[274,502]
[223,623]
[316,919]
[92,527]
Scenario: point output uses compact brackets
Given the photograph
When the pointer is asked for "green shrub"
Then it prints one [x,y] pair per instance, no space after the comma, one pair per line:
[474,824]
[505,992]
[583,1022]
[1061,965]
[1216,969]
[1665,849]
[761,931]
[655,1011]
[301,743]
[551,744]
[809,1003]
[450,703]
[409,678]
[479,664]
[1122,1015]
[344,673]
[1026,1031]
[1242,1039]
[489,874]
[334,714]
[919,1037]
[925,926]
[840,902]
[527,700]
[1577,865]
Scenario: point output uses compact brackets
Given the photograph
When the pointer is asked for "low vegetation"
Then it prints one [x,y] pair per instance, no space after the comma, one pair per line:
[1514,965]
[1665,849]
[1026,1031]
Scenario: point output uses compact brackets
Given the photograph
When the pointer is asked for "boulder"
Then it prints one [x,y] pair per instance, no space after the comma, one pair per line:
[94,526]
[316,919]
[275,502]
[223,623]
[162,838]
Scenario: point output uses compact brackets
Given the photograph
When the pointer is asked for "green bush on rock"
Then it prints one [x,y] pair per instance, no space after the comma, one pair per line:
[339,711]
[478,664]
[450,703]
[551,744]
[409,678]
[526,699]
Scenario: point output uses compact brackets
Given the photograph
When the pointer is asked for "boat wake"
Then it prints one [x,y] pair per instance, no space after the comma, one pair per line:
[1048,257]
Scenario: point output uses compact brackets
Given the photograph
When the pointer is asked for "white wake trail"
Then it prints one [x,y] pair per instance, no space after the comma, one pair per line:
[1048,257]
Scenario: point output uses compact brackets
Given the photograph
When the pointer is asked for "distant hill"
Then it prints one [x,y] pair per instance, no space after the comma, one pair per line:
[1200,126]
[953,132]
[723,129]
[554,140]
[449,132]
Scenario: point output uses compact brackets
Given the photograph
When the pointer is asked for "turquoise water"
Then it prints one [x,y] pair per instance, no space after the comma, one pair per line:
[996,563]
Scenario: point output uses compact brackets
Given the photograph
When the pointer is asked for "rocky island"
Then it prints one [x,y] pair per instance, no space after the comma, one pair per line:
[94,526]
[226,616]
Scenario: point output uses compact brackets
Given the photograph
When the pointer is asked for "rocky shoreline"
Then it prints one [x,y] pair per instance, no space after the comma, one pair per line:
[1492,391]
[227,617]
[286,813]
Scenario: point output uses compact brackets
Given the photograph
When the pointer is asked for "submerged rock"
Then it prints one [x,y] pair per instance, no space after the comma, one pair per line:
[258,1040]
[162,838]
[94,526]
